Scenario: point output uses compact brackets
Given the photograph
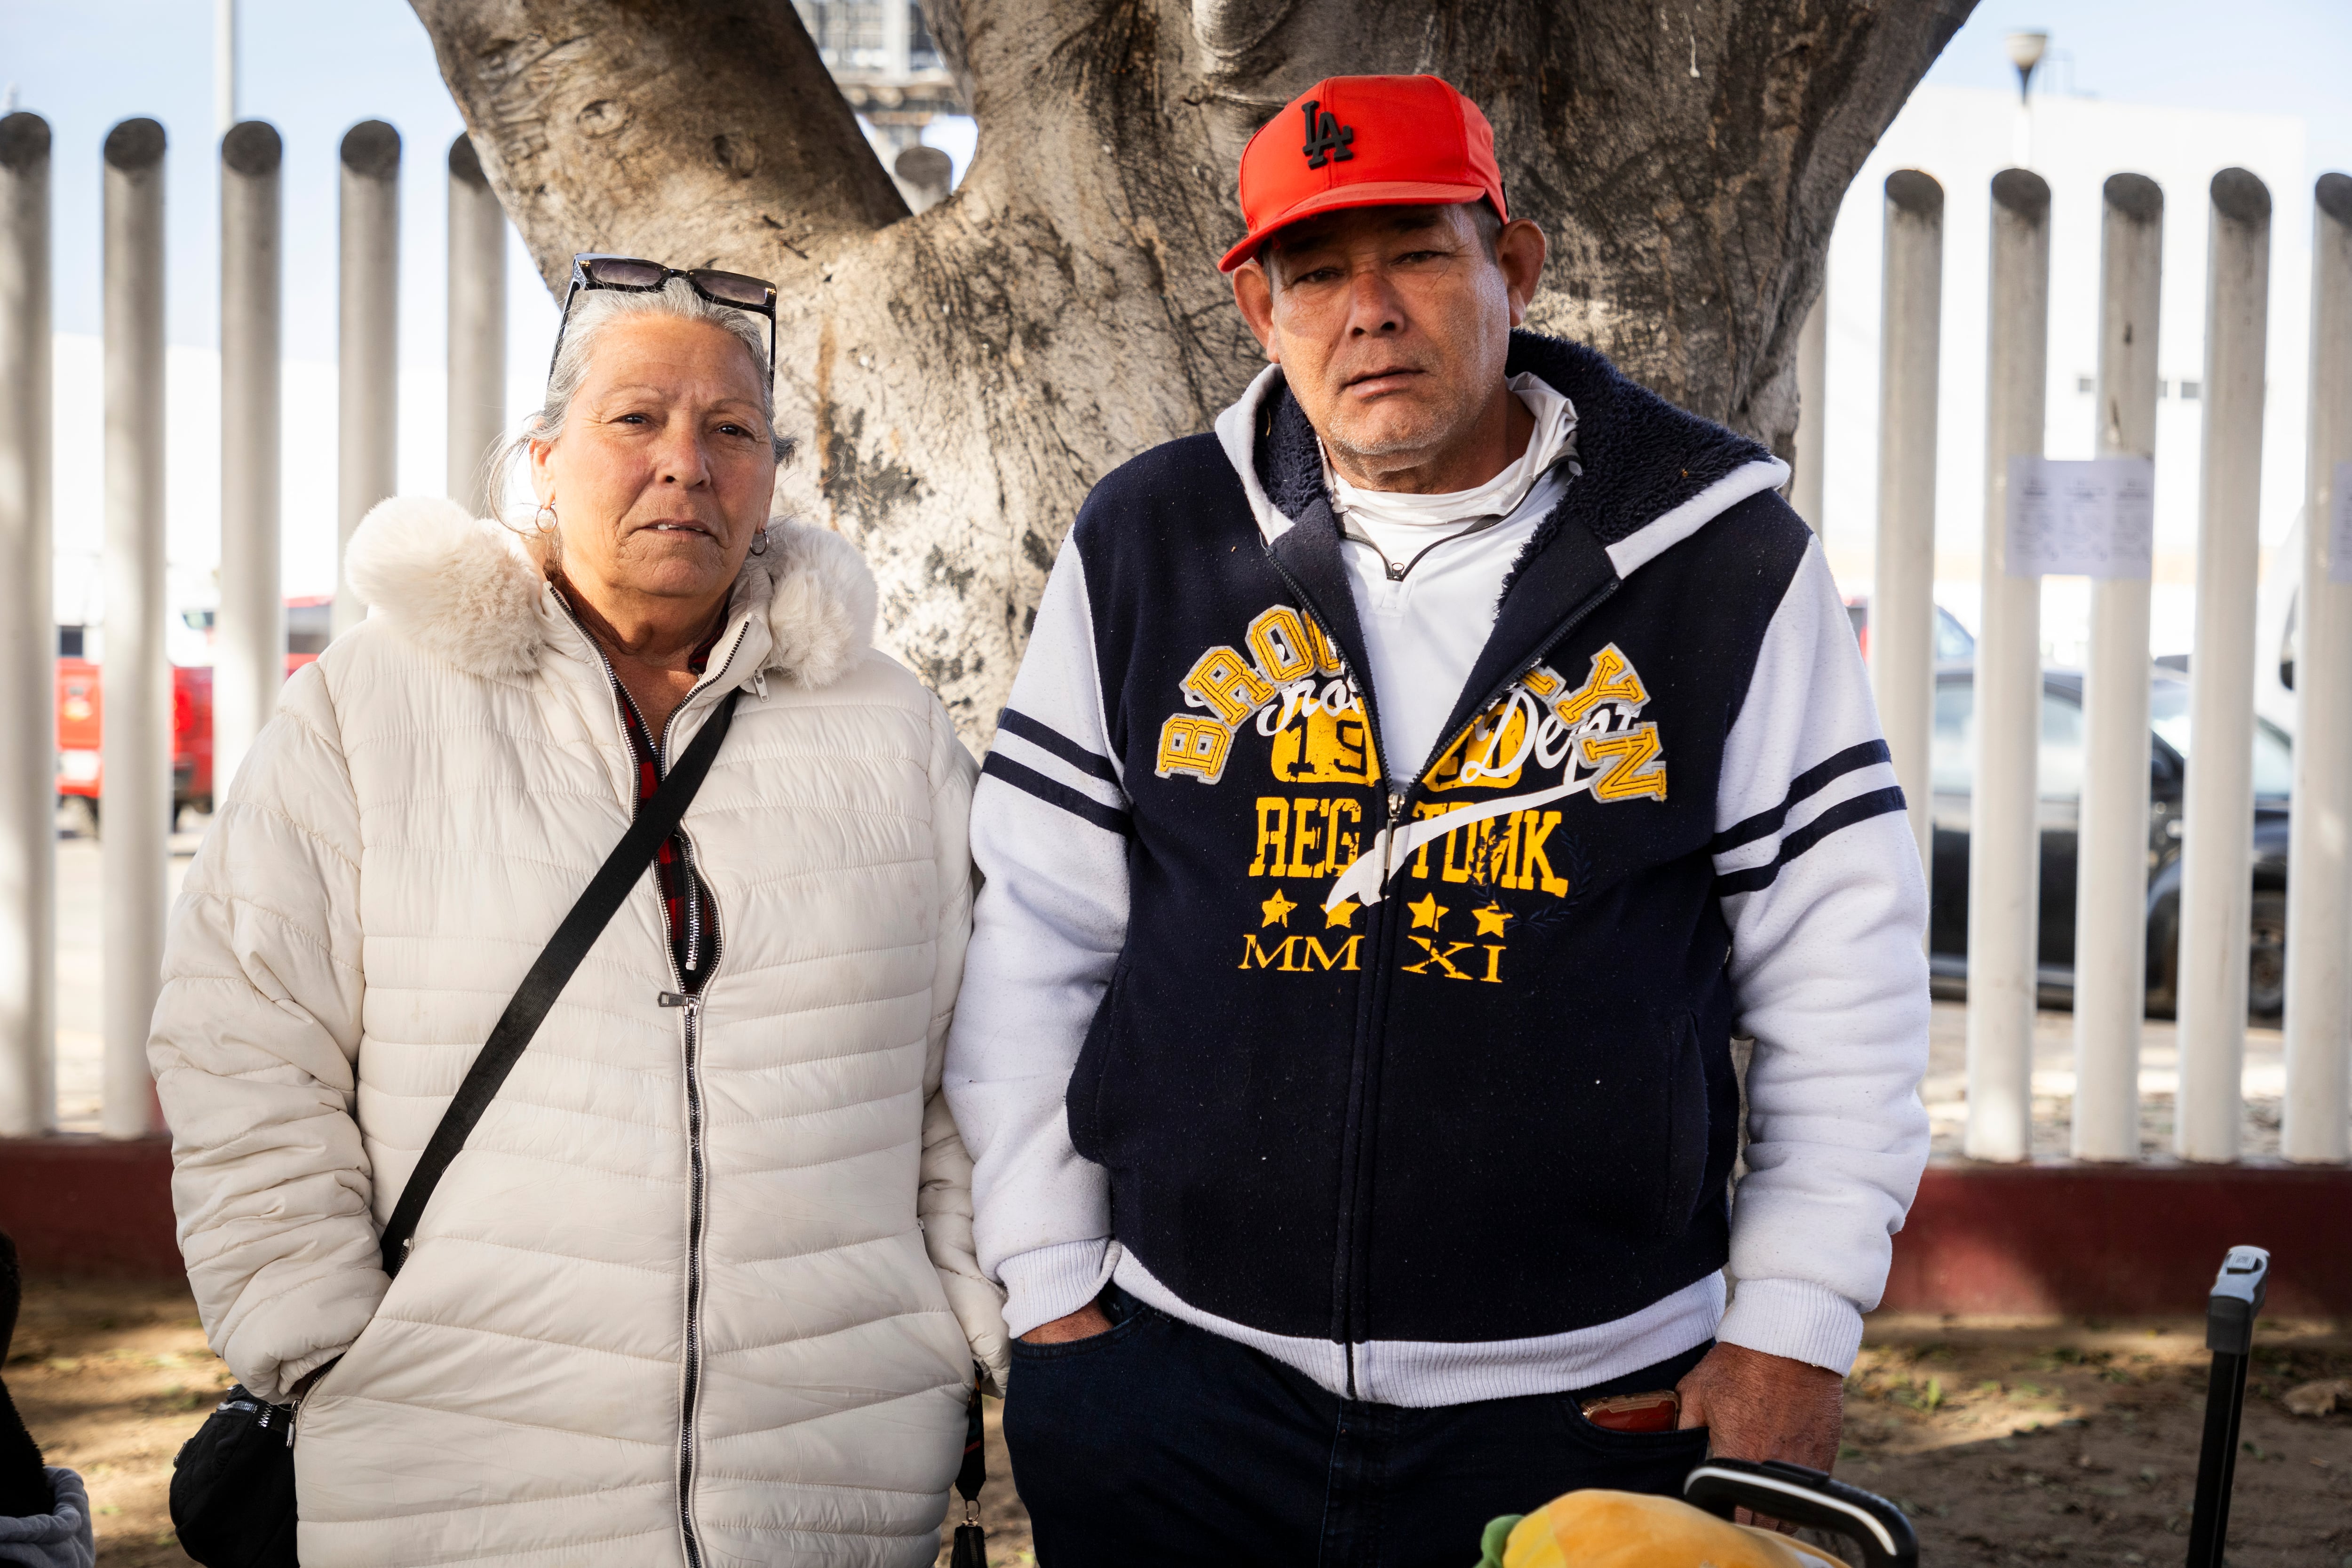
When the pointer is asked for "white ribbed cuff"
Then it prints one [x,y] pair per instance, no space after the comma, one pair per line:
[1796,1318]
[1050,1282]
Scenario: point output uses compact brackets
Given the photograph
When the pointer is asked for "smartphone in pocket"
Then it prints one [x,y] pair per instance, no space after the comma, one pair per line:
[1658,1412]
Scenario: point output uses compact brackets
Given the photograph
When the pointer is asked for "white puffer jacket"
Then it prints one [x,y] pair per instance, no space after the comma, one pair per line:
[562,1371]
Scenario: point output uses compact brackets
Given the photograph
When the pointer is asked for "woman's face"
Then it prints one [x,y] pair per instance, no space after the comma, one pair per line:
[664,472]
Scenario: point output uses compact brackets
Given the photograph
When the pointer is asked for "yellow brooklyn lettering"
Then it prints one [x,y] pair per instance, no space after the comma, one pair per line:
[1192,745]
[1634,766]
[1278,637]
[1327,657]
[1226,685]
[1613,681]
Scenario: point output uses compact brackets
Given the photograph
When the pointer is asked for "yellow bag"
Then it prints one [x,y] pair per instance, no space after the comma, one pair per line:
[1625,1529]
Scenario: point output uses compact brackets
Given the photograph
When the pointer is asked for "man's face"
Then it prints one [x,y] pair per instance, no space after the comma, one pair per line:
[1391,324]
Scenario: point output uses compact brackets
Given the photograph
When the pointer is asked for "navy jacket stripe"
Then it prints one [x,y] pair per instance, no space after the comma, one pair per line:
[1846,813]
[1050,740]
[1804,786]
[1029,781]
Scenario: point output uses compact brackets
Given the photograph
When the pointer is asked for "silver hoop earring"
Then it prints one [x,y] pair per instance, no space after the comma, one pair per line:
[760,542]
[544,519]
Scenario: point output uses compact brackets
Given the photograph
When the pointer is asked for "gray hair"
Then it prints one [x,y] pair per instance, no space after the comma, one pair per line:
[593,311]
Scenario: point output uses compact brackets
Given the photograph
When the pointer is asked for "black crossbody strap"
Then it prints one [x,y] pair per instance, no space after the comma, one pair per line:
[550,973]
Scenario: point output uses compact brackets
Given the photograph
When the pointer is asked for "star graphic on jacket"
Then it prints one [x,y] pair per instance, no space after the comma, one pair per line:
[1341,914]
[1427,912]
[1491,919]
[1277,910]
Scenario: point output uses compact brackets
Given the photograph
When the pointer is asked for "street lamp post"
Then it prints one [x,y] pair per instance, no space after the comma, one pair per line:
[2025,52]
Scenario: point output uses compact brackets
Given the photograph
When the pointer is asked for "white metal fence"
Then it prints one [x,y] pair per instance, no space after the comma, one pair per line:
[2113,855]
[136,694]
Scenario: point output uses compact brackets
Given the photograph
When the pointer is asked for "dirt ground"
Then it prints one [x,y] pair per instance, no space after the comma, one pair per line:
[2007,1444]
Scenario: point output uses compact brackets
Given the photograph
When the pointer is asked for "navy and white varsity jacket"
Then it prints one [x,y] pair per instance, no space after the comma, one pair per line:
[1415,1073]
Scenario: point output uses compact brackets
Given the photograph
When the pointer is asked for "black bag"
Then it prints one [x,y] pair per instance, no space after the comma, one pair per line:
[970,1550]
[232,1484]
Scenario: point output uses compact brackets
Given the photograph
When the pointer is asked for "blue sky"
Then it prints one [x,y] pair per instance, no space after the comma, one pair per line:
[2258,57]
[314,69]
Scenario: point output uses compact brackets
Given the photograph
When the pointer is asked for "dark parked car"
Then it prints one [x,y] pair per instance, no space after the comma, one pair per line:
[2061,769]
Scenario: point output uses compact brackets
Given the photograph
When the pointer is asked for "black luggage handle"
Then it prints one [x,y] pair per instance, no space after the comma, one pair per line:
[1809,1498]
[2230,1313]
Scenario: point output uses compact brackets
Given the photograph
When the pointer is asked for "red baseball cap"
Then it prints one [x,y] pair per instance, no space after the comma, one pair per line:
[1365,141]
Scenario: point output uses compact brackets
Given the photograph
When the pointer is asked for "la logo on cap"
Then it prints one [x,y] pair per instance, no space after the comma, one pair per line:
[1428,146]
[1327,139]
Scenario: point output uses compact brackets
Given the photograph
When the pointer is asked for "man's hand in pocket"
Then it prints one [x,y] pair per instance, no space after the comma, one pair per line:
[1083,1324]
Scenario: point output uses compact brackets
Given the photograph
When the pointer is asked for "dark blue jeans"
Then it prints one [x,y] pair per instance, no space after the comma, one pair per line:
[1158,1442]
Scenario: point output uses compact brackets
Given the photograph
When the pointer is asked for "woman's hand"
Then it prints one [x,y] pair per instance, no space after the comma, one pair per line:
[1083,1324]
[302,1384]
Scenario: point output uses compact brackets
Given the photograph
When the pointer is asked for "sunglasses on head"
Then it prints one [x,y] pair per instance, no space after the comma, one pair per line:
[592,269]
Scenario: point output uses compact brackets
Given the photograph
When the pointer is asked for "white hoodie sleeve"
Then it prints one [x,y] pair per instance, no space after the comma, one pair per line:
[1049,831]
[1821,882]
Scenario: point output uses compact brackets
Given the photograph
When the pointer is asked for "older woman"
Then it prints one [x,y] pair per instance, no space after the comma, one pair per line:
[699,1290]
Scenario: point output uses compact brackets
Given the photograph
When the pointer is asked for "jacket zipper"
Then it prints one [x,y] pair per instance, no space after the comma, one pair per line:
[1371,1033]
[689,1003]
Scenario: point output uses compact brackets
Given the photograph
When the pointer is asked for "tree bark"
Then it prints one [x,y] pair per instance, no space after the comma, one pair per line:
[962,378]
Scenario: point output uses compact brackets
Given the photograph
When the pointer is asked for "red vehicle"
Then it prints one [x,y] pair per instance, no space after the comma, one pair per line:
[80,772]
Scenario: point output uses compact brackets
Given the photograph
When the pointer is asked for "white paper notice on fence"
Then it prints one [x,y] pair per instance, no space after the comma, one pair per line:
[2094,517]
[2340,528]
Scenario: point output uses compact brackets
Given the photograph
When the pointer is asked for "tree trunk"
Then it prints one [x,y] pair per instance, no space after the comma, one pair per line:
[961,379]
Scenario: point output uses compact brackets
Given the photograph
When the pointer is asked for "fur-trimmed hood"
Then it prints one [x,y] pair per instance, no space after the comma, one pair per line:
[468,591]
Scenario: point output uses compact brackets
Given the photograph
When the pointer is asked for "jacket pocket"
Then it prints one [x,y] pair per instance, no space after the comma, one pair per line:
[1683,1146]
[1091,1132]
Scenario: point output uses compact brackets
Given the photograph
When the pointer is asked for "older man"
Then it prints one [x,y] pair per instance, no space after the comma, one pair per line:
[1409,790]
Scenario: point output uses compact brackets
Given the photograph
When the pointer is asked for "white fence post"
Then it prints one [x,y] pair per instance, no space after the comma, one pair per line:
[1902,596]
[1812,380]
[367,353]
[2319,832]
[478,325]
[135,683]
[2218,814]
[249,644]
[2111,844]
[28,643]
[925,177]
[2004,840]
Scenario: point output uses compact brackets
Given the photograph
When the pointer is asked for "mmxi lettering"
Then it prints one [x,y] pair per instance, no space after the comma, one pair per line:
[1299,955]
[1444,960]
